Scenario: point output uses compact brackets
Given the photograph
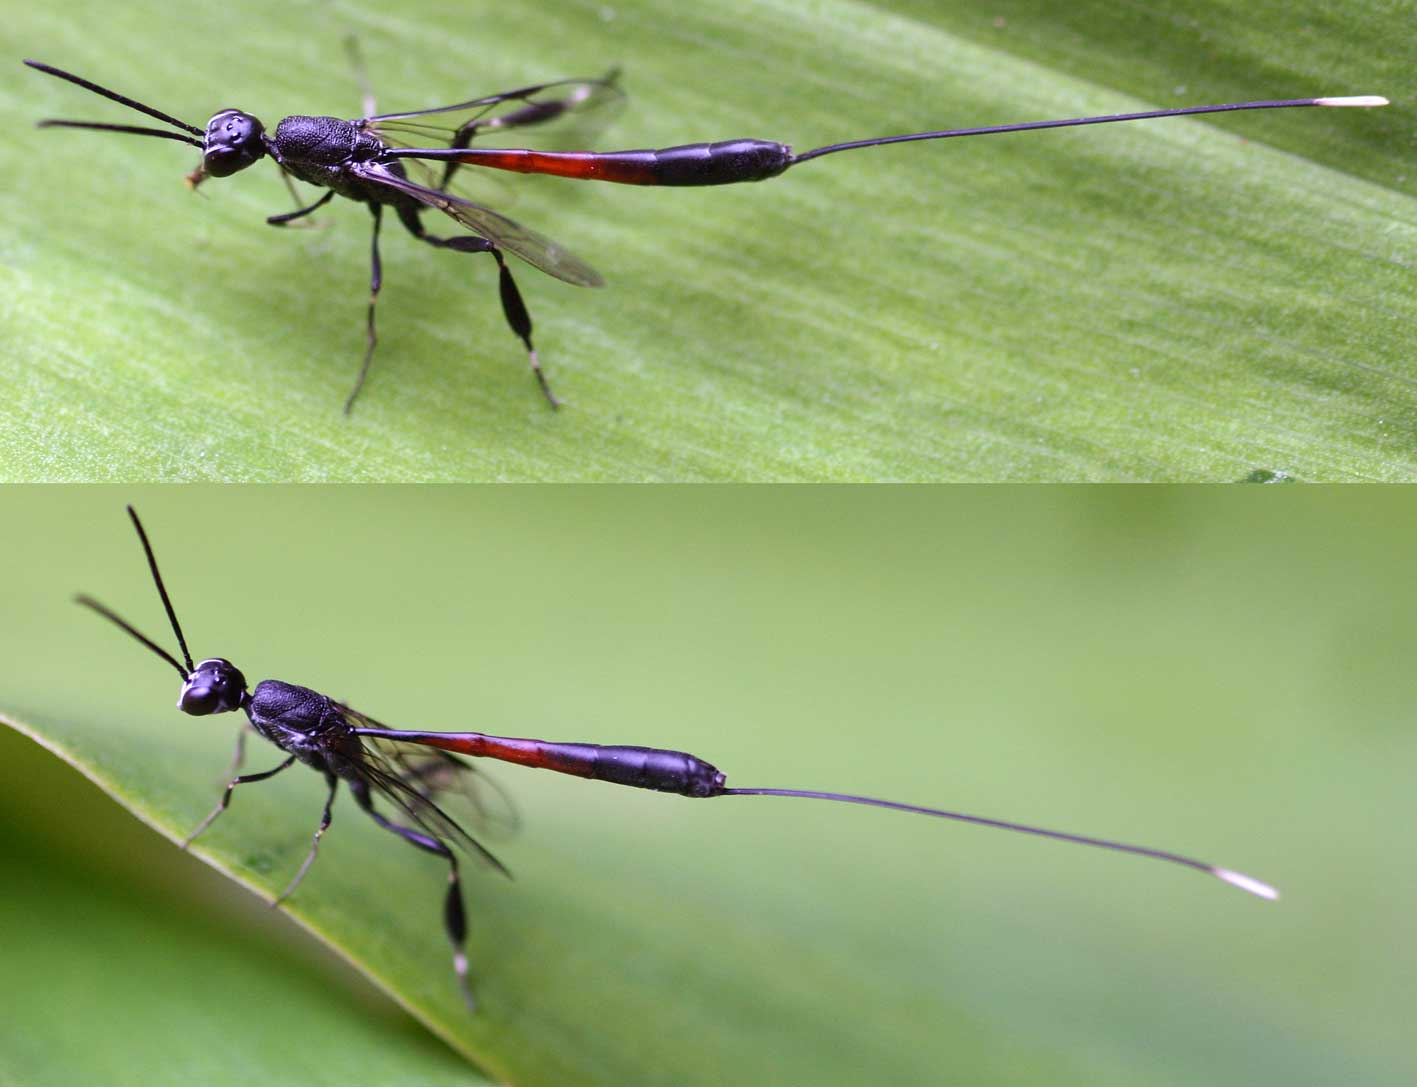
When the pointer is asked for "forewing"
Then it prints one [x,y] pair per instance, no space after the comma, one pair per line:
[430,818]
[568,110]
[541,252]
[566,115]
[437,773]
[409,794]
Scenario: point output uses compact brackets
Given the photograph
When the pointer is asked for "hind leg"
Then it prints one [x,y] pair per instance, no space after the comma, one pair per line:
[513,308]
[454,915]
[376,279]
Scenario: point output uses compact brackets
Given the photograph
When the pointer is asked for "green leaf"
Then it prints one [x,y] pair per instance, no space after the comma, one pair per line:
[122,967]
[1173,300]
[1143,664]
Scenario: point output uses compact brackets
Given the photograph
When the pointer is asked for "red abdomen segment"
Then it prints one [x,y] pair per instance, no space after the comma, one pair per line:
[638,767]
[693,164]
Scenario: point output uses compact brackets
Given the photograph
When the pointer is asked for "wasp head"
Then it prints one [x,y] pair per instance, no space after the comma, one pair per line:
[215,686]
[233,141]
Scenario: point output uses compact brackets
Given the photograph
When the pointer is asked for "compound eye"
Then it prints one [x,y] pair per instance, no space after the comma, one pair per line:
[198,701]
[224,163]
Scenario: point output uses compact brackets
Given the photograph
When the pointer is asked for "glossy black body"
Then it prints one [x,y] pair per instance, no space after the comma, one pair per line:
[327,152]
[725,162]
[306,724]
[663,771]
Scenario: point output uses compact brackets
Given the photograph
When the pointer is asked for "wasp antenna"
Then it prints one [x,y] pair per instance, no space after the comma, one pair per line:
[161,588]
[113,96]
[135,130]
[93,605]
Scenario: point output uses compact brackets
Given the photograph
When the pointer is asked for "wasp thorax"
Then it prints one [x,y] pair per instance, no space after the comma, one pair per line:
[234,141]
[215,686]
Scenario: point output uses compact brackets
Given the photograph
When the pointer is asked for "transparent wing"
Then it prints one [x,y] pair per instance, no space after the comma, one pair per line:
[564,115]
[485,188]
[437,773]
[421,810]
[566,109]
[541,252]
[434,774]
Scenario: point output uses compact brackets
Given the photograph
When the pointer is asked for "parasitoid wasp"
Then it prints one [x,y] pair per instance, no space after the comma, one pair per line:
[371,160]
[408,769]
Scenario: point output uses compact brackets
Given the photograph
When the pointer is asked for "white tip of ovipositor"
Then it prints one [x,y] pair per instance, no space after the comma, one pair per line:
[1247,883]
[1366,100]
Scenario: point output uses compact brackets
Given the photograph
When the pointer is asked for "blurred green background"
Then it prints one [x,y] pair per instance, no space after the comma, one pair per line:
[1222,672]
[1170,301]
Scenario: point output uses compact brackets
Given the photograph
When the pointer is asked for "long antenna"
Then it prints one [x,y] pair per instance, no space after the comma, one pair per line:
[1235,879]
[162,589]
[90,602]
[136,130]
[1288,103]
[115,97]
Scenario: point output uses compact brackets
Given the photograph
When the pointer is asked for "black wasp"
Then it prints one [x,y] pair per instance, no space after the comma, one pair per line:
[407,769]
[371,161]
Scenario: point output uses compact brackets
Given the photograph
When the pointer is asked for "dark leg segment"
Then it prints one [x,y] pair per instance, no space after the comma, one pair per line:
[314,844]
[513,308]
[244,779]
[454,916]
[376,278]
[299,213]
